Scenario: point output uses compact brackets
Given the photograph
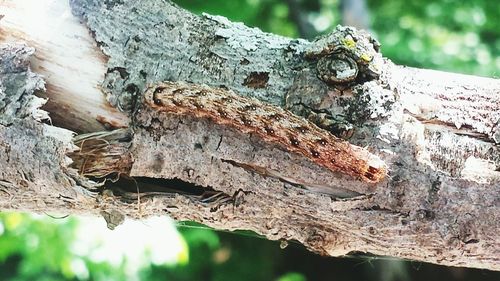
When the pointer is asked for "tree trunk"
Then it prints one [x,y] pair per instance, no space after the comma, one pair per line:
[435,134]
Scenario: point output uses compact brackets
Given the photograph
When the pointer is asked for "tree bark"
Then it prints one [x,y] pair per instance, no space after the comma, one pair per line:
[437,133]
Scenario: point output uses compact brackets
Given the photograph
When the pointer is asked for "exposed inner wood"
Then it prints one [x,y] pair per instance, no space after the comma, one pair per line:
[68,58]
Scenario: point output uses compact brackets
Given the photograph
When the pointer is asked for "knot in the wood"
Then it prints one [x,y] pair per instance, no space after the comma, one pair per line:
[337,68]
[345,55]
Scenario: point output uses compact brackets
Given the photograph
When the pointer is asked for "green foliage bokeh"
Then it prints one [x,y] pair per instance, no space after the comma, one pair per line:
[452,35]
[39,248]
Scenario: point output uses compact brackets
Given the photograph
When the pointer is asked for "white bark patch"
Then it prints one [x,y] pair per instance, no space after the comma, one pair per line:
[480,170]
[414,132]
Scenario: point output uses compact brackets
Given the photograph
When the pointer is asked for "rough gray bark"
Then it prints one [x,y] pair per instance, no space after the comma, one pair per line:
[33,155]
[439,203]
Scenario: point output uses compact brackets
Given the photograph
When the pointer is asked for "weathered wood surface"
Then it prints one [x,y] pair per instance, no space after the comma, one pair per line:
[437,132]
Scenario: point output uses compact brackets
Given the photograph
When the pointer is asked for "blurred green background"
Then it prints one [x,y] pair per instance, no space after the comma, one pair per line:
[451,35]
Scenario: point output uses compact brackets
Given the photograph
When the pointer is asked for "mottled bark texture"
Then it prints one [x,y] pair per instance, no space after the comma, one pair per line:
[438,134]
[33,159]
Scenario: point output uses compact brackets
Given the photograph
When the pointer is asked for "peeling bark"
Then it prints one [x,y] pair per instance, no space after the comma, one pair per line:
[438,134]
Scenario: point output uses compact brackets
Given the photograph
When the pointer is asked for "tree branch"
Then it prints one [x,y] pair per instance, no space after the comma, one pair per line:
[439,202]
